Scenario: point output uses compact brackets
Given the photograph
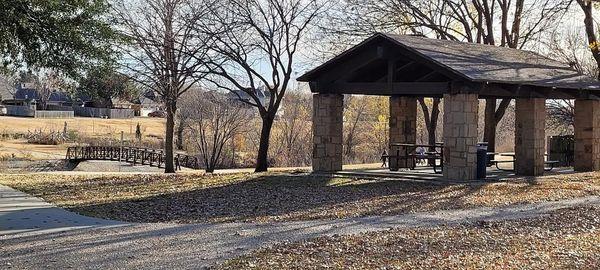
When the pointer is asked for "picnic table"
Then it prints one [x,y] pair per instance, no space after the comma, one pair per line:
[550,163]
[410,153]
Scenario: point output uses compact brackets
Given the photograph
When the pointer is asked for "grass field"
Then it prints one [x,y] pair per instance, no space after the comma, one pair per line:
[85,126]
[21,150]
[87,129]
[189,198]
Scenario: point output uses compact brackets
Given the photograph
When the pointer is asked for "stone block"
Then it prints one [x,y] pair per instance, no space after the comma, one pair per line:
[530,121]
[327,132]
[587,135]
[460,136]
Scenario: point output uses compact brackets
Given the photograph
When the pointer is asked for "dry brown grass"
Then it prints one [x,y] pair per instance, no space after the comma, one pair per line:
[86,130]
[566,239]
[20,149]
[85,126]
[281,196]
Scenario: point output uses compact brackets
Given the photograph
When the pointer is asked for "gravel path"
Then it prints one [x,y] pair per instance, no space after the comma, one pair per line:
[193,246]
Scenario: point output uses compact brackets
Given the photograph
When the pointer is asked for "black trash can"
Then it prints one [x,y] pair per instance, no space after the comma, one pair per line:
[482,160]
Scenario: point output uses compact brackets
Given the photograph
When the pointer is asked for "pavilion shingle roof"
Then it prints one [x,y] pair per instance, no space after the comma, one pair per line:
[487,63]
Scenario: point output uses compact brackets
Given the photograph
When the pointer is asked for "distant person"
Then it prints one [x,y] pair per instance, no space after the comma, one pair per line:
[384,158]
[420,154]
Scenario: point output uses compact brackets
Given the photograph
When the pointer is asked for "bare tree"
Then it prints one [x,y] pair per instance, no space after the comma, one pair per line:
[568,46]
[355,111]
[214,120]
[46,82]
[292,131]
[255,43]
[183,116]
[431,119]
[561,113]
[164,53]
[588,6]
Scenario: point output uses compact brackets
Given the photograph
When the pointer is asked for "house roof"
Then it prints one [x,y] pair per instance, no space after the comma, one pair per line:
[239,94]
[28,93]
[474,63]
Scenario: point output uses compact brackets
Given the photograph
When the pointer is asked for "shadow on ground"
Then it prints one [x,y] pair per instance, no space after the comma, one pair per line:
[287,197]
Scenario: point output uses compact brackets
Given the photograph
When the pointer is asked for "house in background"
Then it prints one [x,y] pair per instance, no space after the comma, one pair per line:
[28,102]
[148,105]
[54,100]
[264,96]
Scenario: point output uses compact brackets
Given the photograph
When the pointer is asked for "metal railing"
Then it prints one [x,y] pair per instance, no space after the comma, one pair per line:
[134,155]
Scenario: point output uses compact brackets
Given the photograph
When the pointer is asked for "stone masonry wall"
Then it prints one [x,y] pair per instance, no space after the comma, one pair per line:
[530,121]
[587,135]
[460,136]
[403,128]
[328,113]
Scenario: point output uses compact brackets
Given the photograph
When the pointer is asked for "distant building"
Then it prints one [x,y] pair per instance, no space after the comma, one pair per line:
[56,98]
[263,95]
[147,104]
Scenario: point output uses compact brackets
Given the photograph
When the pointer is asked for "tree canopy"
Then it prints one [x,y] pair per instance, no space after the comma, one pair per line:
[65,35]
[104,83]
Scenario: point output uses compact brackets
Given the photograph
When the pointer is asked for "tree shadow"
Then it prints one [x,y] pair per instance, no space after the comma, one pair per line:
[288,197]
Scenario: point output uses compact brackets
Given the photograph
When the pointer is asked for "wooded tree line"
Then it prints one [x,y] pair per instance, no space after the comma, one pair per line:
[231,137]
[243,46]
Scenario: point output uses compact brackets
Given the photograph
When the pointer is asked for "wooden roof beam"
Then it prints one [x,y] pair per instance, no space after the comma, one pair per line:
[355,63]
[400,69]
[423,89]
[427,76]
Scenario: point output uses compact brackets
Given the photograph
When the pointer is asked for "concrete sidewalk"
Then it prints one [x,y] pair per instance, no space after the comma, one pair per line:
[20,212]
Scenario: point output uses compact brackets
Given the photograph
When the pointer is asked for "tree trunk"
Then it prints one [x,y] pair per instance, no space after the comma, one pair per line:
[262,160]
[432,127]
[180,129]
[169,160]
[431,141]
[587,8]
[493,115]
[490,124]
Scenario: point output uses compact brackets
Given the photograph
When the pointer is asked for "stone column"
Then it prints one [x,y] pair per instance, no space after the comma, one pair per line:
[530,123]
[327,124]
[460,136]
[403,128]
[587,135]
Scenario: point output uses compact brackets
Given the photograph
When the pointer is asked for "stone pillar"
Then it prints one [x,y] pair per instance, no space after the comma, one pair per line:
[327,124]
[460,136]
[530,123]
[403,128]
[587,135]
